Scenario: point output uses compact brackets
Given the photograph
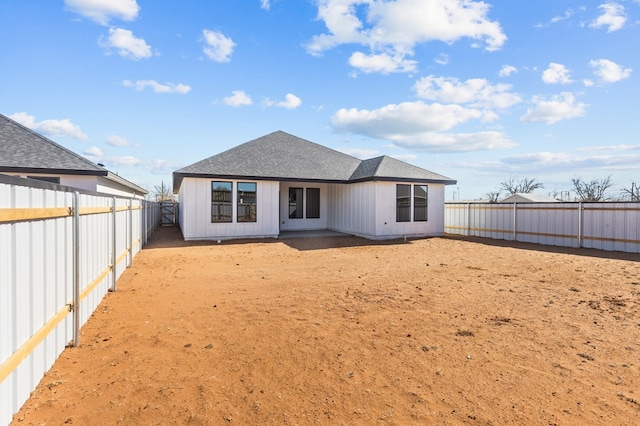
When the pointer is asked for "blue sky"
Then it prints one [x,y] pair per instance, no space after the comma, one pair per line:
[478,91]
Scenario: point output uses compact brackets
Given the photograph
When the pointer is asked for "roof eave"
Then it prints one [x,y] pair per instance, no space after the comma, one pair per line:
[41,170]
[178,176]
[122,181]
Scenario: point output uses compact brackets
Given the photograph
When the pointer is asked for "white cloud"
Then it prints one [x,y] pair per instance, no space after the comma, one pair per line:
[154,166]
[403,118]
[101,11]
[407,158]
[442,59]
[393,28]
[217,47]
[382,63]
[613,17]
[126,160]
[455,142]
[128,45]
[360,153]
[415,125]
[539,162]
[291,101]
[556,74]
[507,70]
[50,128]
[609,71]
[558,18]
[158,87]
[477,92]
[238,98]
[559,107]
[94,151]
[264,4]
[115,140]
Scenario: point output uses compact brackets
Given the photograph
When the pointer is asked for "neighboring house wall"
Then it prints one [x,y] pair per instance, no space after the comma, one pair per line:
[87,183]
[300,224]
[106,186]
[195,211]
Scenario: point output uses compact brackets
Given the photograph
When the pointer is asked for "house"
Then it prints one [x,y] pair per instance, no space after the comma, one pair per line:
[528,198]
[280,182]
[28,154]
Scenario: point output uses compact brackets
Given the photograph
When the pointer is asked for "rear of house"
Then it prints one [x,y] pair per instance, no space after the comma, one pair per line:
[280,182]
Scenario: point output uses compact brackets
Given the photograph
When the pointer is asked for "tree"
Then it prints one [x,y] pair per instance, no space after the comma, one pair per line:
[633,193]
[521,186]
[162,193]
[596,190]
[493,196]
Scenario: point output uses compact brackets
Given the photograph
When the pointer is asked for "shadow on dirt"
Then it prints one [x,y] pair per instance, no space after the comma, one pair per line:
[171,236]
[602,254]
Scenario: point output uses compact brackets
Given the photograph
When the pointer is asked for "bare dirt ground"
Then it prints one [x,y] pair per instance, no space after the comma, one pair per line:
[345,331]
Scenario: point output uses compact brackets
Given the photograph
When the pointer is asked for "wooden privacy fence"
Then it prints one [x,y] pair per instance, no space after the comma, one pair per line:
[604,226]
[61,251]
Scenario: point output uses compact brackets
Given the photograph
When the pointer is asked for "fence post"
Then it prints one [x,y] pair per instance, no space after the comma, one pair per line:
[515,221]
[580,224]
[130,260]
[114,244]
[76,269]
[146,221]
[468,219]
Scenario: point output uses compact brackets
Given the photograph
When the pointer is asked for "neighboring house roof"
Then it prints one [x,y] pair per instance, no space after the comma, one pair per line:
[528,198]
[284,157]
[24,151]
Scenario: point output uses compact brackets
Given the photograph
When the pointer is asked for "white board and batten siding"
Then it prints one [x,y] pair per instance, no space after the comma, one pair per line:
[303,224]
[368,209]
[38,269]
[195,212]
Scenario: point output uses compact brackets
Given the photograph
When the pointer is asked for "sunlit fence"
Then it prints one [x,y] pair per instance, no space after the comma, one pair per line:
[604,226]
[61,251]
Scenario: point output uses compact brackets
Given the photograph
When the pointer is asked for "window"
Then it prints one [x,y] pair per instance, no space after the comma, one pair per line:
[221,207]
[51,179]
[295,203]
[420,193]
[403,203]
[313,203]
[247,202]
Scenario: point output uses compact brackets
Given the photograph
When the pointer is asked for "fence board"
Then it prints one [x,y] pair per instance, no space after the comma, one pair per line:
[604,226]
[37,270]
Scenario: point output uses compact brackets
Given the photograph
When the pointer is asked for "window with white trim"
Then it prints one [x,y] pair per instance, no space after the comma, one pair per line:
[221,203]
[247,202]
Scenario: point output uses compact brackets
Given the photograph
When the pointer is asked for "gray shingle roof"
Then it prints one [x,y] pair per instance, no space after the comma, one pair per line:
[22,149]
[281,156]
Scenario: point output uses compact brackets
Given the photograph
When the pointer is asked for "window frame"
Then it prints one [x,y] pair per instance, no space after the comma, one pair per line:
[312,207]
[299,204]
[403,203]
[241,195]
[221,217]
[423,208]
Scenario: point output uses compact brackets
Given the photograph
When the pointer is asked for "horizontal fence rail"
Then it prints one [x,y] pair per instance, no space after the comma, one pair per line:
[61,251]
[603,226]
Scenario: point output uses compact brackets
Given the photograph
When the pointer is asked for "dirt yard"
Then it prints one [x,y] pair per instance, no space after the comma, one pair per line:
[345,331]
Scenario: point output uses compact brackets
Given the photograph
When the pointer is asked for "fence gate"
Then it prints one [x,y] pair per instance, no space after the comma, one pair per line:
[168,213]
